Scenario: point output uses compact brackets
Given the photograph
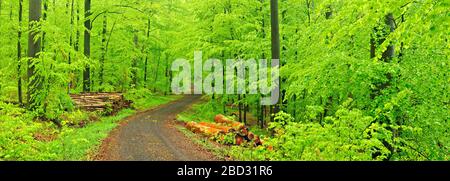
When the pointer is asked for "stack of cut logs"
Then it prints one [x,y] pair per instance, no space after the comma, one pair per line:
[100,101]
[223,125]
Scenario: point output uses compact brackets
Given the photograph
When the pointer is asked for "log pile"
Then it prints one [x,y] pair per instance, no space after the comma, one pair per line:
[221,126]
[110,102]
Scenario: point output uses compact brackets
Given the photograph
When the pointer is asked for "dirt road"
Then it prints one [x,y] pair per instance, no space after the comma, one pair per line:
[151,136]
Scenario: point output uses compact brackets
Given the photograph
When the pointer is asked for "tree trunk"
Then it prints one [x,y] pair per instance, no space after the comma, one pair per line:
[275,41]
[240,108]
[283,48]
[156,70]
[387,55]
[45,19]
[308,12]
[146,55]
[224,102]
[34,47]
[263,56]
[72,10]
[19,52]
[77,34]
[87,45]
[168,75]
[329,103]
[390,51]
[10,11]
[402,44]
[134,66]
[103,49]
[245,109]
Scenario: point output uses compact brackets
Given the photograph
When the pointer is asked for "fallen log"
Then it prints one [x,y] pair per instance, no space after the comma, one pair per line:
[202,129]
[224,120]
[110,102]
[225,129]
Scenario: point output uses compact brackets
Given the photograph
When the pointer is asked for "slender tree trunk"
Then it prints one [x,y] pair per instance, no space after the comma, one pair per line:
[19,53]
[275,41]
[34,47]
[76,44]
[168,75]
[103,49]
[240,108]
[87,45]
[156,70]
[77,34]
[402,44]
[387,55]
[329,103]
[245,108]
[134,66]
[72,11]
[45,19]
[224,102]
[283,48]
[308,12]
[390,51]
[294,110]
[146,55]
[263,56]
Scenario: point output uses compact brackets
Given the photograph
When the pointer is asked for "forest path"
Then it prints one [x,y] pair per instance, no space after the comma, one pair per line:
[152,136]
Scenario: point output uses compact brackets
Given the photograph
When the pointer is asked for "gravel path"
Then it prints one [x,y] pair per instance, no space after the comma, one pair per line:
[151,136]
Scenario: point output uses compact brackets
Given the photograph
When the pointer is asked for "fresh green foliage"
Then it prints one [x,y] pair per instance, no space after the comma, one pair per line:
[21,138]
[360,79]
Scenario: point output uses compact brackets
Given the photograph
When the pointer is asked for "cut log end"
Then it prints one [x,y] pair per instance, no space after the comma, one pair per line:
[103,102]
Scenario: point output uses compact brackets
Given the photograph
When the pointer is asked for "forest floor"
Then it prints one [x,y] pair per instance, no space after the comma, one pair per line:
[152,135]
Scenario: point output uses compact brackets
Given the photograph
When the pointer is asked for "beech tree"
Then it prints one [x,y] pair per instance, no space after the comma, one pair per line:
[34,47]
[87,45]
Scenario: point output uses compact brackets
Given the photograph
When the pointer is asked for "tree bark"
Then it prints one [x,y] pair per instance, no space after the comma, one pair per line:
[87,45]
[275,41]
[134,64]
[72,11]
[387,55]
[103,49]
[390,51]
[146,55]
[157,70]
[34,47]
[77,34]
[19,53]
[263,56]
[245,109]
[168,74]
[45,19]
[240,108]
